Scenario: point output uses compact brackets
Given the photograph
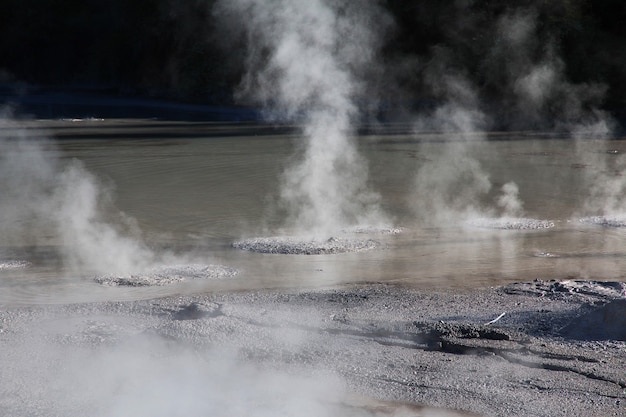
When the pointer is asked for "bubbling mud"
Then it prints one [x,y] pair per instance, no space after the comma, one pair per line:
[511,223]
[169,274]
[305,246]
[605,221]
[14,264]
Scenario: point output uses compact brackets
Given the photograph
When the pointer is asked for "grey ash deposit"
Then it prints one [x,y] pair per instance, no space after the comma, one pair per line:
[605,221]
[304,246]
[169,274]
[511,223]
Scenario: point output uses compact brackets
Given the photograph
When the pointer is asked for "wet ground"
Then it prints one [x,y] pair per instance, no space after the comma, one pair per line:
[541,348]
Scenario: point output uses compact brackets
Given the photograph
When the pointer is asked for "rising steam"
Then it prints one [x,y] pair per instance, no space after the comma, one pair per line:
[27,171]
[540,95]
[307,62]
[49,201]
[534,93]
[88,240]
[450,184]
[509,200]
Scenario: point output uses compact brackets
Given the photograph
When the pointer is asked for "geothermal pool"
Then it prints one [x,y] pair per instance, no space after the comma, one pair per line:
[193,189]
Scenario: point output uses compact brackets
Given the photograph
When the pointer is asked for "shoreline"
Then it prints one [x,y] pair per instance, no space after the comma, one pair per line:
[71,105]
[528,349]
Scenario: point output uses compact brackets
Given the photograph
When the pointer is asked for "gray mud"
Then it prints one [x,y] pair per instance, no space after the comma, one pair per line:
[165,275]
[541,348]
[511,223]
[304,246]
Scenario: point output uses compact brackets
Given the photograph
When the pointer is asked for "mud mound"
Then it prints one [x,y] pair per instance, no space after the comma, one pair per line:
[605,221]
[374,230]
[605,323]
[299,246]
[13,264]
[165,275]
[511,223]
[598,290]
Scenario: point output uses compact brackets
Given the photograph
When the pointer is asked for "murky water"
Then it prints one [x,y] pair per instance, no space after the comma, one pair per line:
[196,188]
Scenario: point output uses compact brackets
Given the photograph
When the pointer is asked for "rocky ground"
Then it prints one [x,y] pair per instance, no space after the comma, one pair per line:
[554,348]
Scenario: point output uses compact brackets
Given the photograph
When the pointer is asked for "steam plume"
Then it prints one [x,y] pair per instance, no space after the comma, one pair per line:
[27,169]
[45,201]
[543,97]
[307,61]
[89,241]
[532,92]
[540,94]
[451,183]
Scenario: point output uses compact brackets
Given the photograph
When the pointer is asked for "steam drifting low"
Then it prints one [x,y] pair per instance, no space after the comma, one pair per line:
[48,201]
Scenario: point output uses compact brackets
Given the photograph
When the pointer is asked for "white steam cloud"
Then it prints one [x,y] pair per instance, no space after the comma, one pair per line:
[26,179]
[88,240]
[307,61]
[145,375]
[509,200]
[541,95]
[604,176]
[536,94]
[46,200]
[450,184]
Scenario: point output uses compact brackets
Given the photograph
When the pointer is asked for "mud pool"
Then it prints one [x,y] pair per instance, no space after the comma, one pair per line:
[194,189]
[490,315]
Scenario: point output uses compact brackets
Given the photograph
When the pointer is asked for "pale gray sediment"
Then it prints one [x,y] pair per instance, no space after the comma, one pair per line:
[14,264]
[169,274]
[374,230]
[605,221]
[541,348]
[510,223]
[305,246]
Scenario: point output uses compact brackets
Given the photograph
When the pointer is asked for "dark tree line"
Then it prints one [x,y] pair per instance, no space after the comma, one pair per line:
[145,46]
[173,47]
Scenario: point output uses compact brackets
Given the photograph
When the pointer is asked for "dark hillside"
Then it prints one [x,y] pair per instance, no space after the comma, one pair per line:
[173,49]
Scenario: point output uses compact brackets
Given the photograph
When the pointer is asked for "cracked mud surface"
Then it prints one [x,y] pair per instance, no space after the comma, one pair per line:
[554,348]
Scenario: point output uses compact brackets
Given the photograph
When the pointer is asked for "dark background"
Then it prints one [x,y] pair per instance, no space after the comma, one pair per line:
[173,49]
